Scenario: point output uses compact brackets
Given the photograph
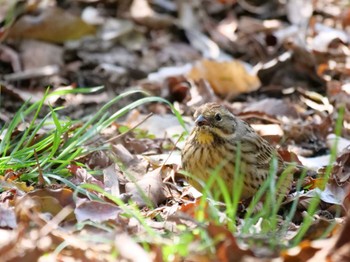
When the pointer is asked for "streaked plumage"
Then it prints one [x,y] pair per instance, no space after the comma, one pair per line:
[213,142]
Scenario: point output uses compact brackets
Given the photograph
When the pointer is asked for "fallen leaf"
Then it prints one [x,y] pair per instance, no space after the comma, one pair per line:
[132,167]
[227,247]
[317,229]
[37,54]
[45,201]
[303,252]
[53,25]
[7,216]
[143,14]
[341,168]
[270,132]
[98,160]
[147,190]
[273,107]
[341,246]
[111,181]
[97,211]
[202,93]
[82,176]
[227,79]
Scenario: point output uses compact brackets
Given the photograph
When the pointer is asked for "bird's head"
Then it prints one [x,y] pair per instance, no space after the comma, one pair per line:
[214,120]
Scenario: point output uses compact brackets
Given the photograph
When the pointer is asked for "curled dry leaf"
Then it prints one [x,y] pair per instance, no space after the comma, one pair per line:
[81,175]
[97,211]
[318,228]
[148,190]
[289,156]
[8,55]
[98,160]
[131,166]
[45,201]
[341,168]
[178,88]
[202,93]
[227,79]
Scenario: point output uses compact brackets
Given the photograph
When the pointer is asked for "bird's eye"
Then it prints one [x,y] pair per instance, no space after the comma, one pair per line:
[218,117]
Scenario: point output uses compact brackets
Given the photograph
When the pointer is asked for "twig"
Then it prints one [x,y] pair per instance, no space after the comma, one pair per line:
[41,176]
[131,129]
[173,178]
[123,134]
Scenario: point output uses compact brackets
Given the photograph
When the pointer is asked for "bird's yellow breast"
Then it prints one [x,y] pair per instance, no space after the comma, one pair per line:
[204,137]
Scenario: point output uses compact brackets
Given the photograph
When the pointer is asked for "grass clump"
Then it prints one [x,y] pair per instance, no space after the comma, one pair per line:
[57,141]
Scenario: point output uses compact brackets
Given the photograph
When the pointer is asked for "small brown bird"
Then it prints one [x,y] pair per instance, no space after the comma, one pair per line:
[213,143]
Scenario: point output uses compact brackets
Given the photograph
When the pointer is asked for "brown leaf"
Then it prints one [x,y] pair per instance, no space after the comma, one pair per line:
[227,79]
[317,229]
[148,188]
[45,201]
[289,156]
[98,159]
[81,176]
[63,195]
[341,169]
[342,242]
[303,252]
[97,211]
[191,208]
[133,167]
[227,247]
[52,25]
[178,88]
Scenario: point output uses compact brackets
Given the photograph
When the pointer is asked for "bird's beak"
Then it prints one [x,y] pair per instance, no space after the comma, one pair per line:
[201,121]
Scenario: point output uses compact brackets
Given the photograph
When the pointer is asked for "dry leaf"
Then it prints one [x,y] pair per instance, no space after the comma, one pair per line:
[52,25]
[273,107]
[303,252]
[142,13]
[45,201]
[227,247]
[97,211]
[226,78]
[7,216]
[148,189]
[81,176]
[111,181]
